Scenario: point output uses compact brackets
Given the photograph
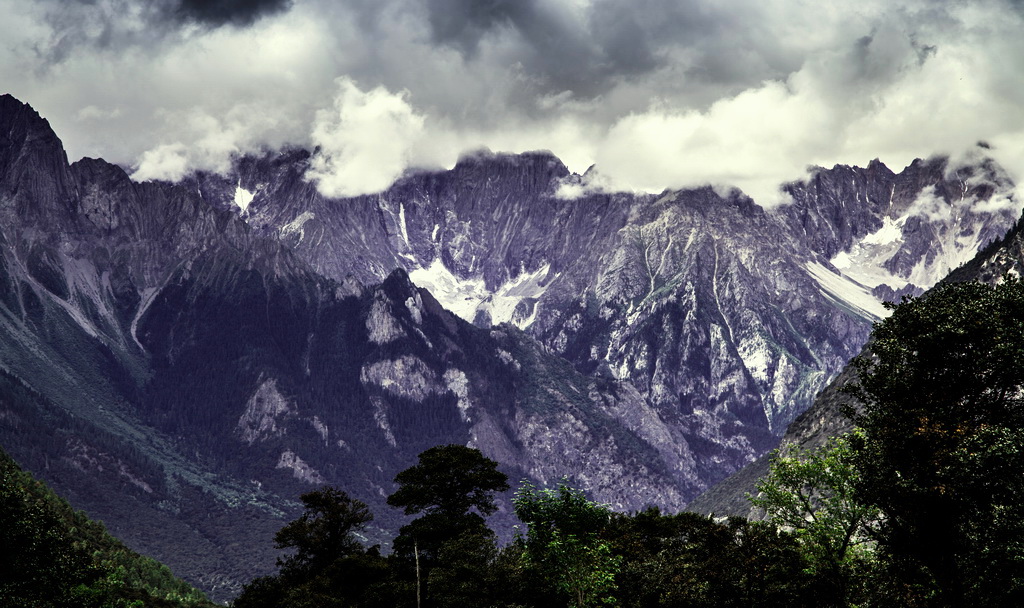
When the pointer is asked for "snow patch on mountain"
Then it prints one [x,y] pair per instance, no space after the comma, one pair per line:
[243,197]
[467,297]
[401,223]
[845,290]
[956,231]
[948,255]
[865,261]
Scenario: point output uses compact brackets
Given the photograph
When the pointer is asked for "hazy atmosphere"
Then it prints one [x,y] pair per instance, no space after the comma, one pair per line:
[656,93]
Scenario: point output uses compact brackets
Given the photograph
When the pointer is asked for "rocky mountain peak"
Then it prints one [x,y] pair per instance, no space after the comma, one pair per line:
[34,177]
[646,346]
[541,161]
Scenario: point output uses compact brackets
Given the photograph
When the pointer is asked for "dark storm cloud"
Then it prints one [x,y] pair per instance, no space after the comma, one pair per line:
[116,25]
[580,53]
[589,50]
[97,25]
[223,12]
[462,23]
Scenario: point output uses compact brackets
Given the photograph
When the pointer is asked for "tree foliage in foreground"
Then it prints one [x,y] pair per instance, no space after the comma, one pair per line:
[575,553]
[451,488]
[324,533]
[563,542]
[695,561]
[942,451]
[811,492]
[449,480]
[329,566]
[53,555]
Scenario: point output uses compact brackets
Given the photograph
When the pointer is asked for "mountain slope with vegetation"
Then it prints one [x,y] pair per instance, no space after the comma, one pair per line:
[179,359]
[56,556]
[921,506]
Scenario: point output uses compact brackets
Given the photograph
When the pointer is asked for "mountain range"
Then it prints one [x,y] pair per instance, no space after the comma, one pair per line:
[827,415]
[181,360]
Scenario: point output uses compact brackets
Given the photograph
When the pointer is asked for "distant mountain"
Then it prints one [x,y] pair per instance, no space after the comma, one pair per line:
[182,360]
[825,418]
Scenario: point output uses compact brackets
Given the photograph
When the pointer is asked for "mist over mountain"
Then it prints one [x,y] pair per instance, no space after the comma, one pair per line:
[183,359]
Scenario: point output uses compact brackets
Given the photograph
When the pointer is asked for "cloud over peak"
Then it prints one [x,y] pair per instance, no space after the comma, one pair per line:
[657,93]
[363,141]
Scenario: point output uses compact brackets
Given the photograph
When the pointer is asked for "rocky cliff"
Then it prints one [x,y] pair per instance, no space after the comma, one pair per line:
[825,418]
[187,358]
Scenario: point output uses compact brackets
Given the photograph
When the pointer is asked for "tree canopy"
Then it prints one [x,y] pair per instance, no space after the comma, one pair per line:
[449,480]
[325,531]
[563,542]
[811,492]
[329,567]
[452,487]
[941,455]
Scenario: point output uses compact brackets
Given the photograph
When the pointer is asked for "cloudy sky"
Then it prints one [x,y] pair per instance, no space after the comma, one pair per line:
[656,93]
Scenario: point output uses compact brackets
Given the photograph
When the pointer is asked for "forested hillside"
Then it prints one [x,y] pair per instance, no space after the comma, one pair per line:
[56,556]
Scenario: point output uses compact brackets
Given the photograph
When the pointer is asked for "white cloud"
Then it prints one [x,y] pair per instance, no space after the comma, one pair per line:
[94,113]
[577,186]
[363,141]
[205,142]
[930,206]
[658,93]
[166,162]
[749,141]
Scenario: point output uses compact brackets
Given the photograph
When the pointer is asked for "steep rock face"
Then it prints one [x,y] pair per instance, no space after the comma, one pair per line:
[492,240]
[83,249]
[313,374]
[825,418]
[217,346]
[35,183]
[730,317]
[902,233]
[1002,257]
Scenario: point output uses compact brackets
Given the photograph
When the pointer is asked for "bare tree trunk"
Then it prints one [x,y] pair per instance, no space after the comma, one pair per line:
[416,552]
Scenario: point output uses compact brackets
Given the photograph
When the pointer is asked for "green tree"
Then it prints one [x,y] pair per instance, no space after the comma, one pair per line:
[811,492]
[697,561]
[40,563]
[329,566]
[465,573]
[449,480]
[53,555]
[943,444]
[452,488]
[563,542]
[324,533]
